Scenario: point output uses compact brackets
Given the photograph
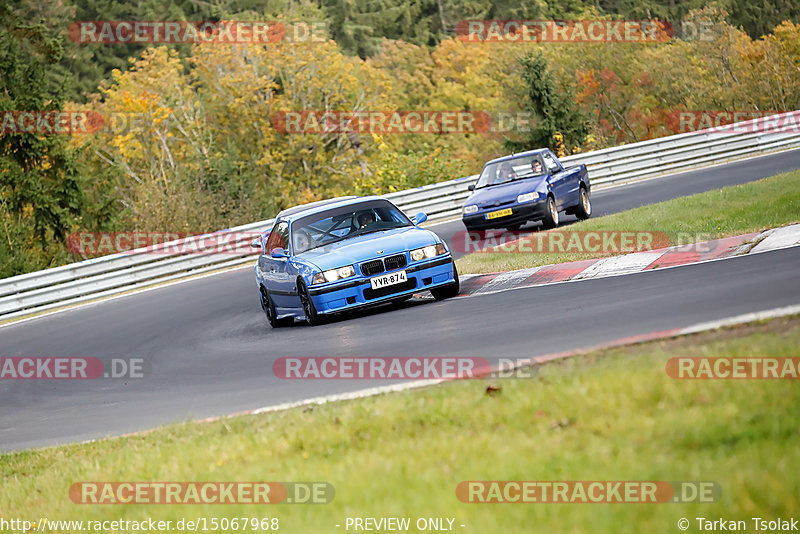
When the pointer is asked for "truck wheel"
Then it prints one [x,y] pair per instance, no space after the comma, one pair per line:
[551,216]
[584,209]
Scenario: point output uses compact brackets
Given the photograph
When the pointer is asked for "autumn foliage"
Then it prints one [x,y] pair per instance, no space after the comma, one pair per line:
[190,144]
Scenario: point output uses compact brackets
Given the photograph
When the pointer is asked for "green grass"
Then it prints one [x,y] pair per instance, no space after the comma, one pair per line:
[610,415]
[740,209]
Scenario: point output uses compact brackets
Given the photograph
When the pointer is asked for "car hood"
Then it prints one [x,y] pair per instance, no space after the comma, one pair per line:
[365,247]
[487,196]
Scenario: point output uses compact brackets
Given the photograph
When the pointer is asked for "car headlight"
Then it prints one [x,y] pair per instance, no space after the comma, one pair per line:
[472,208]
[528,197]
[431,251]
[334,275]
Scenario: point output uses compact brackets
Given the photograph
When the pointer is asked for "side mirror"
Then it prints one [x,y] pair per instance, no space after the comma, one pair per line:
[256,243]
[278,252]
[471,187]
[420,218]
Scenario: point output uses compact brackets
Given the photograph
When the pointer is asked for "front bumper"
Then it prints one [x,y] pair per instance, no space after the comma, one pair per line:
[357,293]
[521,213]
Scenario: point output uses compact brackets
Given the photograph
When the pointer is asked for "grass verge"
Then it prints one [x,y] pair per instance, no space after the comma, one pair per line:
[734,210]
[609,415]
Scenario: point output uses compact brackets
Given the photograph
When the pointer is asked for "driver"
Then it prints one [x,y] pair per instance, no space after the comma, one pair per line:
[303,240]
[365,219]
[536,166]
[506,172]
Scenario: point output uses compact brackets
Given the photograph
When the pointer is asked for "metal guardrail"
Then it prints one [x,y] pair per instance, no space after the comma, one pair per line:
[119,273]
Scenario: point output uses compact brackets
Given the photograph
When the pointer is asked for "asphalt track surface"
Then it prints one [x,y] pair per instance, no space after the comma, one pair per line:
[209,350]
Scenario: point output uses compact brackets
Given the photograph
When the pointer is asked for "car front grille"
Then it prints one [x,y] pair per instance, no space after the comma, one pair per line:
[371,267]
[395,262]
[492,205]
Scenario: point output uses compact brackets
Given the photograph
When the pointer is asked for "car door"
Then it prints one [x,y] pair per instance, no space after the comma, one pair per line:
[559,180]
[276,270]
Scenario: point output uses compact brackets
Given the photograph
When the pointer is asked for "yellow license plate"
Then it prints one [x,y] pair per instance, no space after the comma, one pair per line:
[498,213]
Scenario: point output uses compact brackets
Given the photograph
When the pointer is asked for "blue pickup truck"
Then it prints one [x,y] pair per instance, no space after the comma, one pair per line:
[532,186]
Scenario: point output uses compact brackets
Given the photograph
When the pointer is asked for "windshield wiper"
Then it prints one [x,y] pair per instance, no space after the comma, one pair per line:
[326,243]
[360,232]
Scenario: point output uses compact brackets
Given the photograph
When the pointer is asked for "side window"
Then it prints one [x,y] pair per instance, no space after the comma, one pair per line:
[278,237]
[550,163]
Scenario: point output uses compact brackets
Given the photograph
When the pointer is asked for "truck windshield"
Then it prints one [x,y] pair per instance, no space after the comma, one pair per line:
[510,170]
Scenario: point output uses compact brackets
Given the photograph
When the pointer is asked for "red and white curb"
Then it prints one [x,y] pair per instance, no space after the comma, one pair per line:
[777,238]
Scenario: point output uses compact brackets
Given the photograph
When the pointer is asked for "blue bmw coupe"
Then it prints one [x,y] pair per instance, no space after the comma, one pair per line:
[337,255]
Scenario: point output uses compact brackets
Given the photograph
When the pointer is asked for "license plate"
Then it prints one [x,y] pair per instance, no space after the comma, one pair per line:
[498,213]
[388,279]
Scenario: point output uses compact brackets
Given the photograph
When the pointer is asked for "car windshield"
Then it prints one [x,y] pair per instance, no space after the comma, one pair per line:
[511,169]
[344,222]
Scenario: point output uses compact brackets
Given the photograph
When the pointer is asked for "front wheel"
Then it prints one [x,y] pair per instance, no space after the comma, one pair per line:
[584,210]
[551,216]
[269,309]
[448,291]
[312,318]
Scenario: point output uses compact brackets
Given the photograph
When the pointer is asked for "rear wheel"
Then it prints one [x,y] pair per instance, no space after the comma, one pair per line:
[584,209]
[551,215]
[312,318]
[448,291]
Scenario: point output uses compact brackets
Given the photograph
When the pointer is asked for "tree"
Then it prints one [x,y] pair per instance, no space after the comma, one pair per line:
[40,175]
[553,107]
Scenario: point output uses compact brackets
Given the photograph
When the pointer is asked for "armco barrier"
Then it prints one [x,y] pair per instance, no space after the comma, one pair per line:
[118,273]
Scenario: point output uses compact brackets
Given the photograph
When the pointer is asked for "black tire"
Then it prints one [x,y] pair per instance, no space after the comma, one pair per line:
[269,309]
[312,318]
[448,291]
[584,209]
[551,215]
